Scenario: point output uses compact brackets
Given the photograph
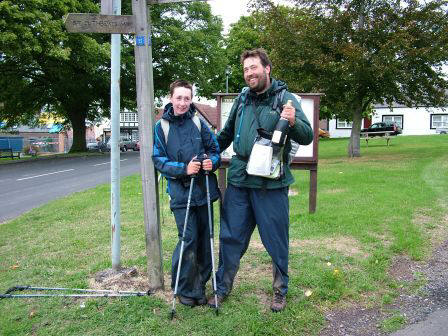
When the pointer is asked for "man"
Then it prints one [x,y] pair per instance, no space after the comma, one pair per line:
[253,200]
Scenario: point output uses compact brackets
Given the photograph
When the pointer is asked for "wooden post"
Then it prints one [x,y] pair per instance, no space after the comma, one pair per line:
[145,106]
[313,190]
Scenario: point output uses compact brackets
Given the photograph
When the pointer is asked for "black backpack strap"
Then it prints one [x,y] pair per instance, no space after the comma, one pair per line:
[278,101]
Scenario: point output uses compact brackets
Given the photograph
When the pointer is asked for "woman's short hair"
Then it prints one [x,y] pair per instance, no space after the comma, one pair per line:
[180,83]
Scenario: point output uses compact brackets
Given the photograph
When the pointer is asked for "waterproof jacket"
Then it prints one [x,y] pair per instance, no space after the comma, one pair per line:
[171,158]
[241,128]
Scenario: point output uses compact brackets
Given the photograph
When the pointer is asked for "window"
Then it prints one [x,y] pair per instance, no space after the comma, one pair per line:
[128,117]
[343,124]
[398,119]
[439,120]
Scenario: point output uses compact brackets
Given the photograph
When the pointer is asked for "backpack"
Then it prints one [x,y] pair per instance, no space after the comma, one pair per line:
[166,126]
[276,106]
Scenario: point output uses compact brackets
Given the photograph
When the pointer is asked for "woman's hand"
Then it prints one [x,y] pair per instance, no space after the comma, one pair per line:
[207,164]
[193,167]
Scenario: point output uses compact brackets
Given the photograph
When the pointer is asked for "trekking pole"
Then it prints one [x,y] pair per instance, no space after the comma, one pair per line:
[173,308]
[211,241]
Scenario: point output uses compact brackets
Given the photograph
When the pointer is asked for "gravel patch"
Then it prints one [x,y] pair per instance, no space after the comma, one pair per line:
[414,307]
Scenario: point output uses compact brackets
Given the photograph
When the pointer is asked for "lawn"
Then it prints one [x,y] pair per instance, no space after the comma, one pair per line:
[391,201]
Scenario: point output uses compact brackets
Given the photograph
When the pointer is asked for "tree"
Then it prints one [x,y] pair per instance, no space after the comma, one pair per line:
[361,52]
[244,34]
[46,69]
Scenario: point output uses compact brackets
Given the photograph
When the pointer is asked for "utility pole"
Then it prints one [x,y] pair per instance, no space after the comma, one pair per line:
[115,143]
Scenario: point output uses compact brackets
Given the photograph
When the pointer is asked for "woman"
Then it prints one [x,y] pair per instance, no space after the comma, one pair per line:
[180,138]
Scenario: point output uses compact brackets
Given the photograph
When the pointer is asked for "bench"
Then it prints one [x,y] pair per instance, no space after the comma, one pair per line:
[12,146]
[380,134]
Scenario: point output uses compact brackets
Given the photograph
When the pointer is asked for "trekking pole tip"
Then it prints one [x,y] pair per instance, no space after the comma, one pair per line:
[173,312]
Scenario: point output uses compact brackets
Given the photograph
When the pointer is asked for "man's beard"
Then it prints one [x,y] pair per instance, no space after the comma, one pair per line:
[262,82]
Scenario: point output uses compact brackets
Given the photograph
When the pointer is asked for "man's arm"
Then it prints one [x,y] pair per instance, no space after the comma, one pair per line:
[211,146]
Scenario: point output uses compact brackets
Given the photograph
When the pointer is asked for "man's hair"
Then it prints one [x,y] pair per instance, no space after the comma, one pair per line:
[258,52]
[180,83]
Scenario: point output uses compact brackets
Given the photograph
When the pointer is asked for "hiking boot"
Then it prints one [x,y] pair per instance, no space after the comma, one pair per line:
[211,300]
[187,301]
[202,301]
[278,302]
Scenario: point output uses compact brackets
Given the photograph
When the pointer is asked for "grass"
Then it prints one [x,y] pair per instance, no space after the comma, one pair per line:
[44,156]
[392,201]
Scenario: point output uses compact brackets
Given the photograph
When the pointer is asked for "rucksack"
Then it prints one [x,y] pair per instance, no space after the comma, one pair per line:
[166,126]
[277,106]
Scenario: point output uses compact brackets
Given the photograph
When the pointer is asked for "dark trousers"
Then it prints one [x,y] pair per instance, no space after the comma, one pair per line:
[243,209]
[196,266]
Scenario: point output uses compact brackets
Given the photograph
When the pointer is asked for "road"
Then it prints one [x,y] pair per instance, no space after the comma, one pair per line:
[27,185]
[436,324]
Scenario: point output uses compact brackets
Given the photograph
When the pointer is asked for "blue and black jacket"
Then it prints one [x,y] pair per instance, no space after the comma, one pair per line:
[171,158]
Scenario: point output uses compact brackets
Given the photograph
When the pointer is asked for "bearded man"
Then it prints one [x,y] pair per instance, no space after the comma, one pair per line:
[254,200]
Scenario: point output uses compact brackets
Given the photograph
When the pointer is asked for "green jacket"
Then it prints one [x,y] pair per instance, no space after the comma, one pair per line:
[242,121]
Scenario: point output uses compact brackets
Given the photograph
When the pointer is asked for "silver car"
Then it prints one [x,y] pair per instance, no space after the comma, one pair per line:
[125,144]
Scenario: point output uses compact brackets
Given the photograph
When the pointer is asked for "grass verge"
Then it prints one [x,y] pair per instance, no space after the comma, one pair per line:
[392,201]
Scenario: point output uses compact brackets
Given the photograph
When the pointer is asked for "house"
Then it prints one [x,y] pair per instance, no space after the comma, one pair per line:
[418,120]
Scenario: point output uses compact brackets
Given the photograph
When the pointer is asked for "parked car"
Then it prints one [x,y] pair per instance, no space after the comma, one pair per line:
[125,144]
[381,128]
[96,146]
[442,130]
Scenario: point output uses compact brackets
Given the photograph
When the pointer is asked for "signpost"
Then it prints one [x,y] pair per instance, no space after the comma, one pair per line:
[137,24]
[98,23]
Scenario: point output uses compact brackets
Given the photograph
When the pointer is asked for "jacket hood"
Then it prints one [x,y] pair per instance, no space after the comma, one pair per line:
[168,113]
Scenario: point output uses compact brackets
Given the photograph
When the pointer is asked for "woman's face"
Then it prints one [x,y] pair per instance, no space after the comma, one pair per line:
[181,100]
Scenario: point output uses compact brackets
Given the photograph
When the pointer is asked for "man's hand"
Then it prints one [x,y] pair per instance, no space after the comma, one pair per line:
[207,164]
[289,113]
[193,167]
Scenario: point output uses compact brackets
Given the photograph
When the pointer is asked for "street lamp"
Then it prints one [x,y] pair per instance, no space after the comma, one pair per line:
[227,78]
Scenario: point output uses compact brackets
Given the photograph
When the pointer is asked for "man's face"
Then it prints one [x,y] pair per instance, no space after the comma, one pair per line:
[181,100]
[256,75]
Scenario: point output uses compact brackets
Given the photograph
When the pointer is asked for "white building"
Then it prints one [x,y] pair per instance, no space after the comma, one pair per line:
[412,120]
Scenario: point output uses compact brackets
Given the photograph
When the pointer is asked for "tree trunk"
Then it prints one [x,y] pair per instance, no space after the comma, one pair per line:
[78,120]
[354,143]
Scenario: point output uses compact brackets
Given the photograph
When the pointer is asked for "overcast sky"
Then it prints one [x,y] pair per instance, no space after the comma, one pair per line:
[229,10]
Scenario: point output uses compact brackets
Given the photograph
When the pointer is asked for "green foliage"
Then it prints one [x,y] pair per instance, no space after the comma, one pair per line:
[187,43]
[44,68]
[360,52]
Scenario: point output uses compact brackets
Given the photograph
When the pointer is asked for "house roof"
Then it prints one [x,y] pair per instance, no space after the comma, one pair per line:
[209,113]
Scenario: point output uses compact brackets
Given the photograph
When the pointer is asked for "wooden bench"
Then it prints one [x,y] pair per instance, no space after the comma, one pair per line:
[371,135]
